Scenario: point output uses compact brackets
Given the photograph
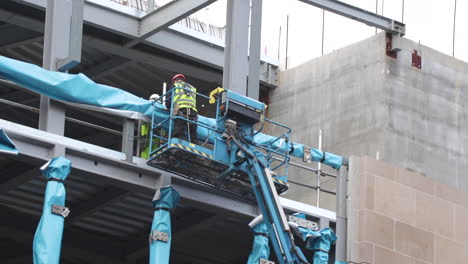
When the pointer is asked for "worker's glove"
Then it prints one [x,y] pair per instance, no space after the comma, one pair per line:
[215,92]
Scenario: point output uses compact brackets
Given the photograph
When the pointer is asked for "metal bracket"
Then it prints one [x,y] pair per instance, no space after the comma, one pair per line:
[158,236]
[393,45]
[416,59]
[60,210]
[304,223]
[307,157]
[265,261]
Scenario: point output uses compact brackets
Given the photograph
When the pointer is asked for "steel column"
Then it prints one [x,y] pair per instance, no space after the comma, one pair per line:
[341,218]
[253,89]
[128,138]
[236,51]
[62,51]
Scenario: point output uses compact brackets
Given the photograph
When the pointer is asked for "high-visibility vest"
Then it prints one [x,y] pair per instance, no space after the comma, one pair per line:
[183,98]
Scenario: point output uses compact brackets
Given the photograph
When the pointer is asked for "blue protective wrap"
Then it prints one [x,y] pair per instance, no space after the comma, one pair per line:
[74,88]
[340,262]
[329,159]
[260,248]
[48,237]
[160,250]
[297,150]
[322,245]
[77,88]
[6,145]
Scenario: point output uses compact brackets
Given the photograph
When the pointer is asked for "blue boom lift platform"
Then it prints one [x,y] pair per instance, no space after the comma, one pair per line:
[233,162]
[219,163]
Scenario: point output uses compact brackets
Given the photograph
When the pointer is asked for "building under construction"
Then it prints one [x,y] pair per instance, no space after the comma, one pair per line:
[92,171]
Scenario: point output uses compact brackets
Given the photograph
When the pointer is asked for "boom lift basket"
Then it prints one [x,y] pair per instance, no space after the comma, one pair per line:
[204,163]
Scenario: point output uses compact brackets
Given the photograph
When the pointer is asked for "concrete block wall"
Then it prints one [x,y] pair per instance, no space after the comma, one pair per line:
[370,104]
[400,216]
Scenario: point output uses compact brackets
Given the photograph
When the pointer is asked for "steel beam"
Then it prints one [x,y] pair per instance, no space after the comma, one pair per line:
[177,39]
[100,201]
[109,166]
[118,50]
[236,50]
[253,87]
[20,228]
[16,180]
[152,59]
[113,64]
[361,15]
[165,16]
[14,36]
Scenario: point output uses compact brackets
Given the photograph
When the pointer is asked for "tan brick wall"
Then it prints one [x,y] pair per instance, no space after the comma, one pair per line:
[399,216]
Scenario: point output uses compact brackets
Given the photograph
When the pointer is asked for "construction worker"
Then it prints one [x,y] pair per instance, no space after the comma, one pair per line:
[184,105]
[145,134]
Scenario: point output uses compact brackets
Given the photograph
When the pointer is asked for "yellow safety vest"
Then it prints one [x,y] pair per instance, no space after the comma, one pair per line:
[183,98]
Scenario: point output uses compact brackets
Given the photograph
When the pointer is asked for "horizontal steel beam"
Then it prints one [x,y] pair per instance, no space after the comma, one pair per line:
[91,247]
[361,15]
[202,73]
[177,39]
[110,166]
[167,15]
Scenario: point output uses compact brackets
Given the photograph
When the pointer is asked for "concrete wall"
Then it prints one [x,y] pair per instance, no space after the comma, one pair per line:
[399,216]
[371,104]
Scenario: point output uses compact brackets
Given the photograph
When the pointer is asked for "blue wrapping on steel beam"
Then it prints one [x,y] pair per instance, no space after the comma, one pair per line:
[165,199]
[48,237]
[79,89]
[260,247]
[74,88]
[322,245]
[6,145]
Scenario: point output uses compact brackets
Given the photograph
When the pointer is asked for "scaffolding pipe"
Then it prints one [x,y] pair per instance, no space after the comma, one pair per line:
[319,169]
[323,173]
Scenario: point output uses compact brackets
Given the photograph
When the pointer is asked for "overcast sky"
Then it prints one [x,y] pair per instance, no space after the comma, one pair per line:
[427,21]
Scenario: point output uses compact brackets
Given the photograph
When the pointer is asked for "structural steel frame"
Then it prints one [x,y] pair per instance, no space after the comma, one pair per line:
[153,29]
[112,166]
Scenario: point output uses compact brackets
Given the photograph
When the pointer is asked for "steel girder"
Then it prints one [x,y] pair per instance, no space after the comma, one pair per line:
[177,39]
[361,15]
[111,166]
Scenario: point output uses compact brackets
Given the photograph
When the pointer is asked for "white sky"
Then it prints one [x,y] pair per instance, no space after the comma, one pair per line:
[427,21]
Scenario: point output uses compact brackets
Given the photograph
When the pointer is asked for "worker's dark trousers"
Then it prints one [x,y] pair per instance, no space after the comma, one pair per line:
[183,128]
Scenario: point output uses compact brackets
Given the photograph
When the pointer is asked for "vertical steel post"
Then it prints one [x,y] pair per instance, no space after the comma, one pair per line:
[62,50]
[150,4]
[236,50]
[253,89]
[287,41]
[319,169]
[454,25]
[128,138]
[341,218]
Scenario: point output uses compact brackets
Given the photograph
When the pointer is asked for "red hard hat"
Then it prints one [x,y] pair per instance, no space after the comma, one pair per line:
[178,76]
